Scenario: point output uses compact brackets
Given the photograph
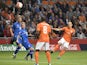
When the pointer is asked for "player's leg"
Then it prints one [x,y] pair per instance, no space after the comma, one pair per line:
[48,53]
[30,53]
[60,42]
[64,47]
[60,54]
[56,47]
[17,50]
[29,47]
[48,57]
[37,57]
[19,45]
[39,45]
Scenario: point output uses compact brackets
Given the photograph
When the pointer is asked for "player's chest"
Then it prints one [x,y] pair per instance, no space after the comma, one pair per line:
[69,31]
[25,33]
[18,26]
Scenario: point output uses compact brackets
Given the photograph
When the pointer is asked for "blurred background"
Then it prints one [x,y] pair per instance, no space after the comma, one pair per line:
[57,12]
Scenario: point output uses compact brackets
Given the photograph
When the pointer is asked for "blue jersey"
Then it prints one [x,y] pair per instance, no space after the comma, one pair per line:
[24,34]
[16,28]
[23,39]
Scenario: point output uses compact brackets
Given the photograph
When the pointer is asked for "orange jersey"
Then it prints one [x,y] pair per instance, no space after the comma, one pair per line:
[44,29]
[68,33]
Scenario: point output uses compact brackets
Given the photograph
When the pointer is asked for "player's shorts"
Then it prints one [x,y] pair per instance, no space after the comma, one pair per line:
[25,43]
[40,45]
[63,42]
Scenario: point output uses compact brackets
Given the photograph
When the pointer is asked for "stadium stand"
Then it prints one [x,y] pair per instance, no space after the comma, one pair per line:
[57,12]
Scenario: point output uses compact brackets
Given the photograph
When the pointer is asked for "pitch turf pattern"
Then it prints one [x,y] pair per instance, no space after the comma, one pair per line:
[70,58]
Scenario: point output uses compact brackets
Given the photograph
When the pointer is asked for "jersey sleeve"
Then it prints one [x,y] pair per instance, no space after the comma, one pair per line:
[49,28]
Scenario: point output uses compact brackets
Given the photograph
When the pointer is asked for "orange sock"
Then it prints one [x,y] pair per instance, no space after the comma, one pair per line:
[62,52]
[56,47]
[48,56]
[36,57]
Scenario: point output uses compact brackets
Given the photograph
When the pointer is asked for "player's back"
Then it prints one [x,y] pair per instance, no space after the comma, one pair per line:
[44,29]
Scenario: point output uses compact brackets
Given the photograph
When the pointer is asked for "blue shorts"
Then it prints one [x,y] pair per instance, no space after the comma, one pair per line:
[16,39]
[25,43]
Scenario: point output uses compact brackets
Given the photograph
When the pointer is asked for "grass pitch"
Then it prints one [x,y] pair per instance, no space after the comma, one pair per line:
[70,58]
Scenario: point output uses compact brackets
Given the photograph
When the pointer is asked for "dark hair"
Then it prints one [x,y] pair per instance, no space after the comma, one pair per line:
[43,19]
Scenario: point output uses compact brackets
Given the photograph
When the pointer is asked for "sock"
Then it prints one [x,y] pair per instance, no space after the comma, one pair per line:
[17,49]
[30,53]
[61,53]
[56,48]
[36,57]
[48,56]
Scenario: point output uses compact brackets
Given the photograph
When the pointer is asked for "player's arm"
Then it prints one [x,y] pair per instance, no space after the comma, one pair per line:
[11,31]
[57,29]
[52,35]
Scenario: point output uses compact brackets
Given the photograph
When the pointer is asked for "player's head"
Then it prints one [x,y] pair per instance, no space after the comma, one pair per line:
[70,24]
[43,19]
[23,25]
[19,18]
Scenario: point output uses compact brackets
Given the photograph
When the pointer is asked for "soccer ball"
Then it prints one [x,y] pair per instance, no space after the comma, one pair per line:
[19,5]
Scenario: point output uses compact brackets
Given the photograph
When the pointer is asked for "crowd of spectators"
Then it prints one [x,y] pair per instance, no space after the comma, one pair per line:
[57,15]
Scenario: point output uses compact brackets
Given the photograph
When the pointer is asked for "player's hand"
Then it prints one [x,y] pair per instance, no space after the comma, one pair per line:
[53,28]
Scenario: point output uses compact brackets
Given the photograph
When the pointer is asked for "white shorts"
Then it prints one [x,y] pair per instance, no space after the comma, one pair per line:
[63,43]
[41,45]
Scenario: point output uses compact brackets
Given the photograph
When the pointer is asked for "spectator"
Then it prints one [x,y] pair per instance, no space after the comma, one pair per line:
[1,29]
[82,18]
[32,29]
[70,13]
[6,31]
[57,15]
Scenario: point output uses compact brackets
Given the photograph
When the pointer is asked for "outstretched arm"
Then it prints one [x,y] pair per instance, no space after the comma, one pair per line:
[57,29]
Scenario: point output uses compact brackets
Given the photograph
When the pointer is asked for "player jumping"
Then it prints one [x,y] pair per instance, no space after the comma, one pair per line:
[16,28]
[14,33]
[65,40]
[23,39]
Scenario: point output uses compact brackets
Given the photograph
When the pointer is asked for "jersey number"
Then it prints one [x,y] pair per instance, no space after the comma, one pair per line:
[45,29]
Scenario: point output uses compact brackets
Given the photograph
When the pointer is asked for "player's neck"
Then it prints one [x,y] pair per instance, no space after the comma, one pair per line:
[44,21]
[69,27]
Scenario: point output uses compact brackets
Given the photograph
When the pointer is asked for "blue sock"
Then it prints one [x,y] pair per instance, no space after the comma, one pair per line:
[16,51]
[30,53]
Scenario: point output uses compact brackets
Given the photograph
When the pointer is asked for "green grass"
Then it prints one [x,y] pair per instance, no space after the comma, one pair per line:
[70,58]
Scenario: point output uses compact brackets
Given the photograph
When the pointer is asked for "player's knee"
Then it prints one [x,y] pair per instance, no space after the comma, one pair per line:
[20,45]
[31,49]
[59,44]
[37,50]
[47,51]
